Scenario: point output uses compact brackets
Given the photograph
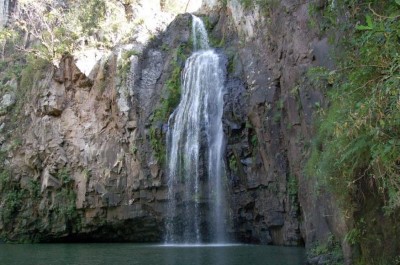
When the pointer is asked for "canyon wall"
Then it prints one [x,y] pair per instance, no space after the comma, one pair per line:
[83,153]
[269,121]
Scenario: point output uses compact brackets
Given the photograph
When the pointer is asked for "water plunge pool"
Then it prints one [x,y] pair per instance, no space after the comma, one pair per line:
[146,254]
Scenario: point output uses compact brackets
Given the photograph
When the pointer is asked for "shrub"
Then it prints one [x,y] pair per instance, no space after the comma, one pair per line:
[358,136]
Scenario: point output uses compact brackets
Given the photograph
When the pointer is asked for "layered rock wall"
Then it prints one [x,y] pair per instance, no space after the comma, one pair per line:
[88,141]
[270,111]
[87,137]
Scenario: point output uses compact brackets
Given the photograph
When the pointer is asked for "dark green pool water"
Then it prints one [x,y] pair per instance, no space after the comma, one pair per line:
[108,254]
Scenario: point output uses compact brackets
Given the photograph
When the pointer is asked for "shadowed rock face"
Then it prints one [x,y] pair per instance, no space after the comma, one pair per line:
[98,130]
[85,145]
[268,117]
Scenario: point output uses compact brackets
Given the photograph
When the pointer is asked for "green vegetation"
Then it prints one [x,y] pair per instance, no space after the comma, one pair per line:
[331,251]
[266,6]
[217,43]
[11,193]
[157,143]
[64,176]
[65,203]
[124,63]
[233,163]
[214,41]
[134,149]
[362,125]
[21,197]
[4,178]
[231,64]
[12,196]
[161,114]
[292,190]
[355,235]
[12,203]
[247,3]
[173,95]
[34,188]
[27,72]
[56,29]
[169,101]
[254,141]
[356,151]
[277,116]
[6,34]
[207,23]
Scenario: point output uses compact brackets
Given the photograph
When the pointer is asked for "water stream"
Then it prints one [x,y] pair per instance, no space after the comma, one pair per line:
[194,149]
[3,12]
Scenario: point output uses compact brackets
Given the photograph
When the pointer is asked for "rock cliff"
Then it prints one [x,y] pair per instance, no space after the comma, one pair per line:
[83,168]
[269,122]
[83,160]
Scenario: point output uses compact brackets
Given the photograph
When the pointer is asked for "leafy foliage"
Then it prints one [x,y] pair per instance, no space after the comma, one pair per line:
[12,203]
[64,176]
[358,137]
[161,114]
[65,203]
[356,151]
[265,5]
[63,27]
[169,102]
[124,63]
[331,250]
[4,178]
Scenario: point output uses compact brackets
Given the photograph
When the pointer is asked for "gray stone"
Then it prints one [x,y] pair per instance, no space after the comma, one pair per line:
[52,102]
[131,125]
[48,181]
[7,100]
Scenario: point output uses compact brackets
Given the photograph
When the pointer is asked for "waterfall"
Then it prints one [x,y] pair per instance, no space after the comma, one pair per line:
[3,12]
[194,149]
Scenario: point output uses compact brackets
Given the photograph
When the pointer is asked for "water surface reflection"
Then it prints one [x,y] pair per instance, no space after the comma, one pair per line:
[99,254]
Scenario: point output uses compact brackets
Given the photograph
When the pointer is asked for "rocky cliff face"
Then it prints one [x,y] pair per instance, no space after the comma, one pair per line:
[87,165]
[269,123]
[83,167]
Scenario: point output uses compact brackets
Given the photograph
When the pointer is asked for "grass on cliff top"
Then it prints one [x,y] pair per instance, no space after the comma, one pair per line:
[357,148]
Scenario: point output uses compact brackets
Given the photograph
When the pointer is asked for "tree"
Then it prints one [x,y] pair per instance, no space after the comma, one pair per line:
[6,34]
[55,27]
[44,21]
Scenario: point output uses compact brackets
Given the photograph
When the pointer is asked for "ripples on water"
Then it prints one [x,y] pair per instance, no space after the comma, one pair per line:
[137,254]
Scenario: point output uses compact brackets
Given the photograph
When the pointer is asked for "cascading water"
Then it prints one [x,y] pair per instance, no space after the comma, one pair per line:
[194,149]
[3,12]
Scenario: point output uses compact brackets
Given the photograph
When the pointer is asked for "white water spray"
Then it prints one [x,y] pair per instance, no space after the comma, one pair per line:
[3,12]
[194,149]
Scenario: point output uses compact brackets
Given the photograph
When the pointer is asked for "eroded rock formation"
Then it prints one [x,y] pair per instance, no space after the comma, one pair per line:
[91,138]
